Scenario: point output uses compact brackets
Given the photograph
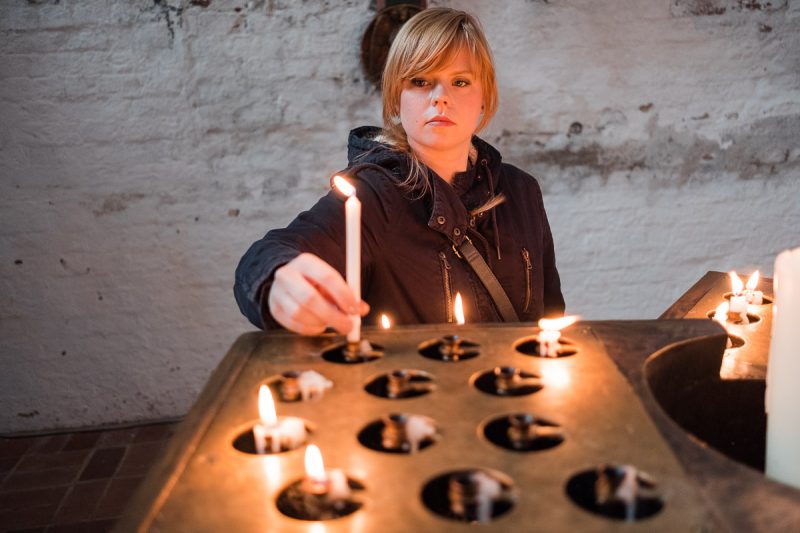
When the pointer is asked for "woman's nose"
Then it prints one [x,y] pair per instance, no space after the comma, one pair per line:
[439,96]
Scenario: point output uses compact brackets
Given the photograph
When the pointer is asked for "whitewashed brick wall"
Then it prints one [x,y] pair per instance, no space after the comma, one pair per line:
[145,144]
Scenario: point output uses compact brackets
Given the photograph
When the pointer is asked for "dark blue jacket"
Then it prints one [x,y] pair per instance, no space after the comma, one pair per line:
[410,270]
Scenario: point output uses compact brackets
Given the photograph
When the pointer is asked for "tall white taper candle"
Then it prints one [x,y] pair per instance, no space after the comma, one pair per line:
[353,218]
[783,373]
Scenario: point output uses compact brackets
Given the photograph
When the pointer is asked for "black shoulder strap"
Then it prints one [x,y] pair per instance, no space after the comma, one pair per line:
[489,280]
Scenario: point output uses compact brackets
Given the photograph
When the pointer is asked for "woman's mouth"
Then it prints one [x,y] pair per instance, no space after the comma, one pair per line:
[440,120]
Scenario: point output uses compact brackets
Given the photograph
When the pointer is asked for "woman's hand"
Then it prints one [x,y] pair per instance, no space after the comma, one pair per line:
[308,295]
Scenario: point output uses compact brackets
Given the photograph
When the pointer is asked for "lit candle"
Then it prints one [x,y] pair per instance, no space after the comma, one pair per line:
[783,373]
[272,433]
[551,332]
[458,309]
[385,323]
[738,301]
[332,488]
[751,294]
[352,208]
[316,480]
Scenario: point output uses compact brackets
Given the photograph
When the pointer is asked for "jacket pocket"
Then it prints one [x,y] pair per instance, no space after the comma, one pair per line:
[448,293]
[526,257]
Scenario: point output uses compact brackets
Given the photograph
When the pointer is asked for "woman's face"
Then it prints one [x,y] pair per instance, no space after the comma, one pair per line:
[440,110]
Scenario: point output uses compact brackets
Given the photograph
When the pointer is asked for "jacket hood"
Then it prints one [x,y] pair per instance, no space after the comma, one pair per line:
[363,148]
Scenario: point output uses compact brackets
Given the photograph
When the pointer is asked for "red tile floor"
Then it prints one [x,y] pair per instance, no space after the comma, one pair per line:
[74,482]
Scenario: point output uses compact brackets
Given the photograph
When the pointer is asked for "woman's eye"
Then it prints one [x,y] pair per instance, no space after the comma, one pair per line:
[418,82]
[461,83]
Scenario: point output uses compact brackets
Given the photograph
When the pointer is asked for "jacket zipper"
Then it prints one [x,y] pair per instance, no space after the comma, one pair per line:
[528,270]
[448,295]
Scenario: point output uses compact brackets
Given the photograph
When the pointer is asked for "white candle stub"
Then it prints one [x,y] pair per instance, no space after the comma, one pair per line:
[352,210]
[273,433]
[738,302]
[339,487]
[783,373]
[488,490]
[753,296]
[418,429]
[312,384]
[551,333]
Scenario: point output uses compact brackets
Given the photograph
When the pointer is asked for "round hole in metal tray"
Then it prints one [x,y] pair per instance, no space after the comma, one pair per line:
[530,346]
[489,382]
[450,348]
[500,431]
[245,442]
[415,383]
[293,501]
[594,491]
[338,354]
[438,496]
[375,437]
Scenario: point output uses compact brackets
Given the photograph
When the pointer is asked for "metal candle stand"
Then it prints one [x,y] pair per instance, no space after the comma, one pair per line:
[565,443]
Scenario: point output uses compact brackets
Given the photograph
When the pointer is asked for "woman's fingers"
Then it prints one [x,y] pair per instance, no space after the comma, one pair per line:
[328,281]
[308,294]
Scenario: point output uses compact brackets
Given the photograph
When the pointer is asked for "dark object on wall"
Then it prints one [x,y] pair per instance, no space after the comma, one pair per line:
[381,32]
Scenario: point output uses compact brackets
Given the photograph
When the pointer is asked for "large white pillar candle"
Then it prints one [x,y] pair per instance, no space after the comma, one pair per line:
[783,373]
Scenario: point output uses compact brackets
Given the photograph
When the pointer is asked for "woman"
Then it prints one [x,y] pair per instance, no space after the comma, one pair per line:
[426,184]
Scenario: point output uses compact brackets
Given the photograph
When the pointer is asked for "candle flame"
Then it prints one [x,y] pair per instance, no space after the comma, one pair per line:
[266,406]
[557,324]
[344,186]
[736,283]
[458,309]
[752,282]
[385,323]
[315,468]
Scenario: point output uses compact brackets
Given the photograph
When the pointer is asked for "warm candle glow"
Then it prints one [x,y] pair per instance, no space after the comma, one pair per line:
[752,282]
[315,468]
[555,376]
[385,323]
[458,309]
[736,283]
[557,324]
[344,186]
[266,406]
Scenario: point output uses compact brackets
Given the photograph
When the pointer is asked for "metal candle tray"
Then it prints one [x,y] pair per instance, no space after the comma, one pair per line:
[746,358]
[203,483]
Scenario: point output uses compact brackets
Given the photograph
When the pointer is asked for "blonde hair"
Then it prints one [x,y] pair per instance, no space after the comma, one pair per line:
[428,42]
